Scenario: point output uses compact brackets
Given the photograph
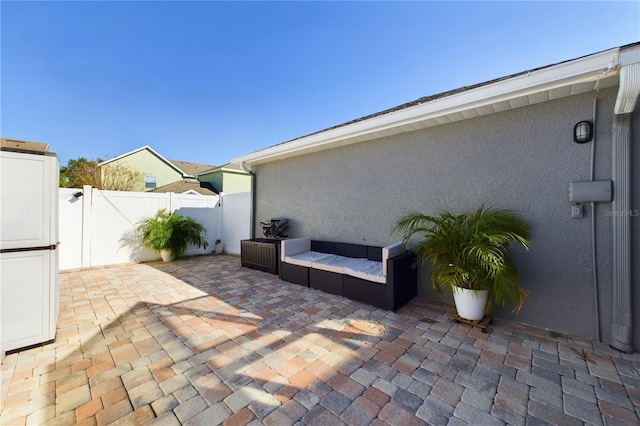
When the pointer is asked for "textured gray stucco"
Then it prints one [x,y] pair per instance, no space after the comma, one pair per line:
[522,159]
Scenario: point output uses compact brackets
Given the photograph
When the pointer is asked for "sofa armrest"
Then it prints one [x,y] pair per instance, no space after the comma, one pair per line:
[402,280]
[390,251]
[294,246]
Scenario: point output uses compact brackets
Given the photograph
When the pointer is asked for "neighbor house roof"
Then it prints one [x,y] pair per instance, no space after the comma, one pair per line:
[26,146]
[192,169]
[581,75]
[186,185]
[183,167]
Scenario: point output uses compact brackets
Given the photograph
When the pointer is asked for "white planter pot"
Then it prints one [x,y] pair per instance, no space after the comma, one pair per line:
[470,303]
[219,248]
[167,256]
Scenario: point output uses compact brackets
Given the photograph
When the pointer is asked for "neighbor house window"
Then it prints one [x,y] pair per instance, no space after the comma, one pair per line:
[149,182]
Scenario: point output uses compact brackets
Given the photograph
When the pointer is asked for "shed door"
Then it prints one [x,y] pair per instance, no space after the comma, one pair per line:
[27,219]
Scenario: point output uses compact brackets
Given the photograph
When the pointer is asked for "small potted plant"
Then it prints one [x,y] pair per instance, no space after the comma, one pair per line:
[468,255]
[171,233]
[219,247]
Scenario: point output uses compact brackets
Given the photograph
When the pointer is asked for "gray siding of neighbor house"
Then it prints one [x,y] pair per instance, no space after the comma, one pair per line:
[522,159]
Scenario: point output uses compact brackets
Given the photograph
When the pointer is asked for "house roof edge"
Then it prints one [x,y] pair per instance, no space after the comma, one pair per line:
[589,68]
[153,151]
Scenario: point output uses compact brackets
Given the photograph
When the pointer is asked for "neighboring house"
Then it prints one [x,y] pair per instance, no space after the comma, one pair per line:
[229,179]
[156,171]
[507,143]
[188,186]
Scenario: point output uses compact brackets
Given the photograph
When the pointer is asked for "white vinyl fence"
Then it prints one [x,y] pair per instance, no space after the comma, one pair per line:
[97,228]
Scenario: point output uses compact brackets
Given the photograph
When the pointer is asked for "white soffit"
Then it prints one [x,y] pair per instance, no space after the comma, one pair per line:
[582,75]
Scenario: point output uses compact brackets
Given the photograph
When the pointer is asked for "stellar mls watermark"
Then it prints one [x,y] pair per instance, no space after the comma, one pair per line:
[619,213]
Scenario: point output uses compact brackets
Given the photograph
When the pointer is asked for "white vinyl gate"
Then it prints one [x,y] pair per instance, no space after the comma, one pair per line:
[94,227]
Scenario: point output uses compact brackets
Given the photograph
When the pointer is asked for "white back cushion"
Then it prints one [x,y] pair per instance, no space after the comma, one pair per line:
[294,246]
[392,250]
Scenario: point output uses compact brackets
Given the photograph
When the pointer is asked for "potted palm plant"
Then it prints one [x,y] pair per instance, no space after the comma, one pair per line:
[469,257]
[171,233]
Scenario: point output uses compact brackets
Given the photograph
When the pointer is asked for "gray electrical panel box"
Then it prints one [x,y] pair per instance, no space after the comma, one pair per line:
[591,191]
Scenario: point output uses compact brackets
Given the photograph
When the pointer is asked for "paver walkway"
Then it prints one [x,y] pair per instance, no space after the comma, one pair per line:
[203,341]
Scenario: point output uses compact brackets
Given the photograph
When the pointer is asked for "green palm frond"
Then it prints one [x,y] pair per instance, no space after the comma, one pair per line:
[469,250]
[171,231]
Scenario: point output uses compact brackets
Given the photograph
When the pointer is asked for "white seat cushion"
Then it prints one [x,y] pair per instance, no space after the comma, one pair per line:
[306,259]
[337,264]
[369,270]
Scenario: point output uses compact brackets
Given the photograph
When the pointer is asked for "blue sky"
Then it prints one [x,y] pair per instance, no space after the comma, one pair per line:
[210,81]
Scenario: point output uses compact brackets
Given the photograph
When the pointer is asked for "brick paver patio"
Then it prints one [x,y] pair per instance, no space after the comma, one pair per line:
[203,341]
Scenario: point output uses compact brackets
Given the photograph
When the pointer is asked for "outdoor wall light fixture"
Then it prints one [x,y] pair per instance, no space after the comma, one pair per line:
[583,132]
[76,196]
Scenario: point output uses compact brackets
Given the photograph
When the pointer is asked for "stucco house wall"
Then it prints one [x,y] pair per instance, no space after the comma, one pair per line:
[522,159]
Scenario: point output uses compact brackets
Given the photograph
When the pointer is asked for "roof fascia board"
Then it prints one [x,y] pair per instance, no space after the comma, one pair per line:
[153,151]
[222,169]
[236,171]
[126,154]
[206,172]
[589,68]
[186,176]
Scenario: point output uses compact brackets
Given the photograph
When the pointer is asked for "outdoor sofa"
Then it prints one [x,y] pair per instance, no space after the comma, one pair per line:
[380,276]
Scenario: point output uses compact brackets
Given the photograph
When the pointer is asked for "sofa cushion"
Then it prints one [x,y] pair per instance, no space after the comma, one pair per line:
[351,250]
[337,264]
[294,247]
[390,251]
[323,246]
[374,253]
[306,259]
[369,270]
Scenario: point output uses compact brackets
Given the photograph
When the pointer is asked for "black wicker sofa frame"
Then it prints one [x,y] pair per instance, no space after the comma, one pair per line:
[379,276]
